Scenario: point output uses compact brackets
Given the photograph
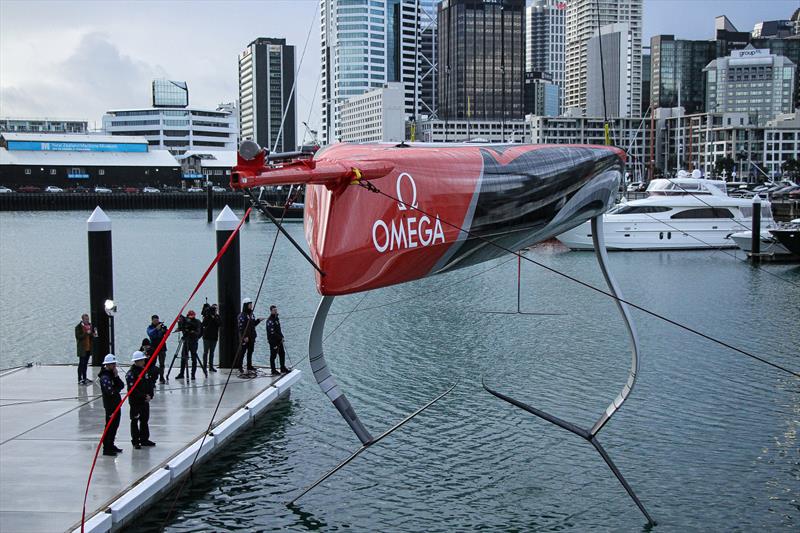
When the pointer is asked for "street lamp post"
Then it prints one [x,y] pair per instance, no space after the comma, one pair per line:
[111,310]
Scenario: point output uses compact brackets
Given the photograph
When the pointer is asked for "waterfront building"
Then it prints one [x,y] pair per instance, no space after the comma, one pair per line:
[493,131]
[677,66]
[42,125]
[173,125]
[630,134]
[751,81]
[367,43]
[169,93]
[584,17]
[542,95]
[208,165]
[609,90]
[377,115]
[545,33]
[481,59]
[266,77]
[67,161]
[701,140]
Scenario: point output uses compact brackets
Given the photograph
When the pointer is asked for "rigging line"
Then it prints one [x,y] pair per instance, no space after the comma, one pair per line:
[294,84]
[47,421]
[152,358]
[238,358]
[257,203]
[371,443]
[371,187]
[21,401]
[413,296]
[721,249]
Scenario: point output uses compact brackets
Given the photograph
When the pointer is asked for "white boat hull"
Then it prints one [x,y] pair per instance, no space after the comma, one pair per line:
[769,245]
[654,235]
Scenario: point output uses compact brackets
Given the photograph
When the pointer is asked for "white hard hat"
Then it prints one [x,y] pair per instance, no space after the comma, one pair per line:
[110,359]
[696,173]
[246,301]
[137,356]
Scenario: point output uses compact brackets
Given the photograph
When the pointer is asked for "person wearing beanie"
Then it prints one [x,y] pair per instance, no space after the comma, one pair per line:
[192,331]
[139,401]
[247,334]
[110,386]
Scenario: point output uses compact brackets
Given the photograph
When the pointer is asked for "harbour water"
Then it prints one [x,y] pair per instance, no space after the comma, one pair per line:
[709,438]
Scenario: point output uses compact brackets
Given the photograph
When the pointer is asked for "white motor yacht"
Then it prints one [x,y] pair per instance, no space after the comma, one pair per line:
[679,213]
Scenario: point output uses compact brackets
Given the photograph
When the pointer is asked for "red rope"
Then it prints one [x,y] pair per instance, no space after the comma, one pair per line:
[153,358]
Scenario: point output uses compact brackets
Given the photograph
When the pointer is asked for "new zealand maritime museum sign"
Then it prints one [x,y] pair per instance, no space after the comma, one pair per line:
[38,146]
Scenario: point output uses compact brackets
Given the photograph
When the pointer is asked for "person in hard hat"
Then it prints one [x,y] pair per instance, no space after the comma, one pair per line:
[139,401]
[111,385]
[247,333]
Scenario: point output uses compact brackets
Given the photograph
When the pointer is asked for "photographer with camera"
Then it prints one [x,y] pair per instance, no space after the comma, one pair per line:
[192,330]
[211,323]
[156,331]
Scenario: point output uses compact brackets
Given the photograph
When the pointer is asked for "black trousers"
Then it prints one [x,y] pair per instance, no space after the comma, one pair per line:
[83,364]
[189,350]
[247,349]
[275,351]
[208,352]
[111,434]
[140,416]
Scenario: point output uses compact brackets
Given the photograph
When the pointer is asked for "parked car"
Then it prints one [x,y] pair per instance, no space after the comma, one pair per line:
[635,186]
[29,188]
[217,188]
[53,188]
[80,189]
[150,190]
[4,190]
[102,190]
[194,189]
[130,190]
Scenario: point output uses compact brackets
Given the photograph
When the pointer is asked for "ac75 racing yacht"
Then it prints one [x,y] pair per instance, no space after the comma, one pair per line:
[679,213]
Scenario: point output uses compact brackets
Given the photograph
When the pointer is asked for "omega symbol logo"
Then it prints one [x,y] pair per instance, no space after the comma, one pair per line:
[402,204]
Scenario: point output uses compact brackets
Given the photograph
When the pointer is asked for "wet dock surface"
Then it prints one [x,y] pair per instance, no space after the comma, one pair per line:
[50,426]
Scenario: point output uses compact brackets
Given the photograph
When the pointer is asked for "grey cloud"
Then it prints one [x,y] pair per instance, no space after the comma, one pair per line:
[94,78]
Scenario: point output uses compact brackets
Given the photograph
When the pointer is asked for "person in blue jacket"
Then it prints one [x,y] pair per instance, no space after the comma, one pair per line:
[156,331]
[111,385]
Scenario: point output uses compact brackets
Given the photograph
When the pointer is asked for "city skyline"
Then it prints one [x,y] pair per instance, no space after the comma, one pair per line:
[80,59]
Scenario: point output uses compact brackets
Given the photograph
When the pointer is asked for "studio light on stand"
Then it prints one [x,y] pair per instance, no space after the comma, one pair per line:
[111,310]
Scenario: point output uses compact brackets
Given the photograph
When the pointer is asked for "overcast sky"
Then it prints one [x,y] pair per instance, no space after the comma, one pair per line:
[77,59]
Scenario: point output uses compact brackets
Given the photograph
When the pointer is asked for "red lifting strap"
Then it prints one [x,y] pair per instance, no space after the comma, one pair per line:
[153,358]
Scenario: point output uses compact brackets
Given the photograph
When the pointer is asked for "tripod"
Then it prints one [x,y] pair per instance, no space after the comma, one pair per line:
[185,356]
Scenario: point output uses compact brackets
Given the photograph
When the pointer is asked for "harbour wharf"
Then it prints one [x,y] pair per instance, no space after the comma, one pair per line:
[50,426]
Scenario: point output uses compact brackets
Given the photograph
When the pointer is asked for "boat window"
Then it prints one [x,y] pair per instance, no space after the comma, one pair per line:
[704,212]
[637,209]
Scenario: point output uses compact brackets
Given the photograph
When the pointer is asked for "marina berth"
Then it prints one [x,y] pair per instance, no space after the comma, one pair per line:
[680,213]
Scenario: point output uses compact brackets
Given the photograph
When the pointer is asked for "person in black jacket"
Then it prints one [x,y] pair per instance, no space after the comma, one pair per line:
[111,385]
[211,323]
[275,339]
[154,372]
[192,331]
[247,333]
[139,401]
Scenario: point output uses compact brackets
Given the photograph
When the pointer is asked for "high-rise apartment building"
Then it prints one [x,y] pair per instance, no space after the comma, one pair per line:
[584,17]
[677,66]
[750,81]
[545,45]
[266,77]
[609,91]
[367,43]
[481,59]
